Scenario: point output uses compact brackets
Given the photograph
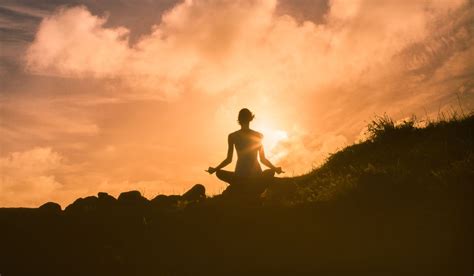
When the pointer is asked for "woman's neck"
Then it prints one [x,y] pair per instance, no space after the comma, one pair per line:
[245,127]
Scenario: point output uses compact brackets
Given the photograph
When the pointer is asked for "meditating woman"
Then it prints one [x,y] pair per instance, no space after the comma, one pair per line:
[248,144]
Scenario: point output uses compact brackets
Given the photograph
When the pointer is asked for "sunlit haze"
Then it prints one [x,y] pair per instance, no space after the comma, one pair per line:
[140,95]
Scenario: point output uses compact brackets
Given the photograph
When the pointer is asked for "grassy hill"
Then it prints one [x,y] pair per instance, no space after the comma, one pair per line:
[399,203]
[397,160]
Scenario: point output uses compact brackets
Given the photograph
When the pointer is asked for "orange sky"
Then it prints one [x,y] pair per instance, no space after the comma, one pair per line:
[115,98]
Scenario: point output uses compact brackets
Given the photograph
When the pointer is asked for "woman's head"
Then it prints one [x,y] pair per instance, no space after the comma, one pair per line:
[245,116]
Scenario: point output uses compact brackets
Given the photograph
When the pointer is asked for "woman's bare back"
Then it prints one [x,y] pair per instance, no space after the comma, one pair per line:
[247,143]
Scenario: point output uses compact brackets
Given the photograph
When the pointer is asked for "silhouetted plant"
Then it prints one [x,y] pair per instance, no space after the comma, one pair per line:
[384,126]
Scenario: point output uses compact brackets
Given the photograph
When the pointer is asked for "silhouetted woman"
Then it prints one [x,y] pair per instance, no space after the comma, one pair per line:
[248,144]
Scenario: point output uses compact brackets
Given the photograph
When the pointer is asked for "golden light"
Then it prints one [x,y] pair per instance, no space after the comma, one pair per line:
[272,136]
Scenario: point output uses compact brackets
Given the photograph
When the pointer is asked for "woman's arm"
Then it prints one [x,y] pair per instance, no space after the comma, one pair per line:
[228,160]
[266,162]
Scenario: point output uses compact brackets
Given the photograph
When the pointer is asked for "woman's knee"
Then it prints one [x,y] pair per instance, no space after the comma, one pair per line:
[224,175]
[268,173]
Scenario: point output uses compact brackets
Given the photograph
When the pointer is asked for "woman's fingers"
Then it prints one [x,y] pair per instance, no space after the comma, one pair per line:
[211,170]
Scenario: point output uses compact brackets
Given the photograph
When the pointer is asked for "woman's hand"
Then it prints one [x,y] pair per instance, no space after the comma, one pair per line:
[211,170]
[278,170]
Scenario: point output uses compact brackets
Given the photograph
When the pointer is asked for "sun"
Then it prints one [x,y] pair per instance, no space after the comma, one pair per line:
[271,136]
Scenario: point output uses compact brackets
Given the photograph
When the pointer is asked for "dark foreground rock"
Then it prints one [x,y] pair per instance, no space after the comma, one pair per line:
[196,193]
[132,200]
[172,202]
[165,202]
[50,207]
[106,199]
[83,205]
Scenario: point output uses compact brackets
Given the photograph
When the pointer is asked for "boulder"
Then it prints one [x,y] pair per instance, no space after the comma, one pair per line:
[133,198]
[195,194]
[105,198]
[50,207]
[165,202]
[83,205]
[106,202]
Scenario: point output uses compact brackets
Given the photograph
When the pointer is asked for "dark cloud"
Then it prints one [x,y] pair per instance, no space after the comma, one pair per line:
[304,10]
[37,6]
[17,29]
[12,15]
[137,16]
[11,35]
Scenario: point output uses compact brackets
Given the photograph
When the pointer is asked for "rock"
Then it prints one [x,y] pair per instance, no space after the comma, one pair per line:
[83,205]
[50,207]
[105,198]
[132,198]
[196,193]
[106,202]
[165,202]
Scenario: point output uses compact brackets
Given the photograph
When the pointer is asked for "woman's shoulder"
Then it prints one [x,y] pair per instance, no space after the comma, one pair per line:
[257,134]
[234,134]
[239,133]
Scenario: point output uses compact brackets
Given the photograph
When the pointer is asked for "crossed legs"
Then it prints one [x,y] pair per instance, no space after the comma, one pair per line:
[232,178]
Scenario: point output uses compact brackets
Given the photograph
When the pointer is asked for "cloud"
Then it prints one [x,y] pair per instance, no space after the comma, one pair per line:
[217,46]
[27,177]
[73,42]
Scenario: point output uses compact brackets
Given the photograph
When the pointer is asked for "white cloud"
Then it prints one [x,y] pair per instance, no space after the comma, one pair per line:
[75,43]
[221,45]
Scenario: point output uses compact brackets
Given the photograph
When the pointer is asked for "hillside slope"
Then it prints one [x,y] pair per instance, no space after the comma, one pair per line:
[399,203]
[395,161]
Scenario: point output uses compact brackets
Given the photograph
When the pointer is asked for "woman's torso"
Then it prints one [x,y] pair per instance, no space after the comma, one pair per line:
[247,144]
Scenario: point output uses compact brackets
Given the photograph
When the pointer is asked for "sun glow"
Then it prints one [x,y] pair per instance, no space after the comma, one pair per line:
[272,137]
